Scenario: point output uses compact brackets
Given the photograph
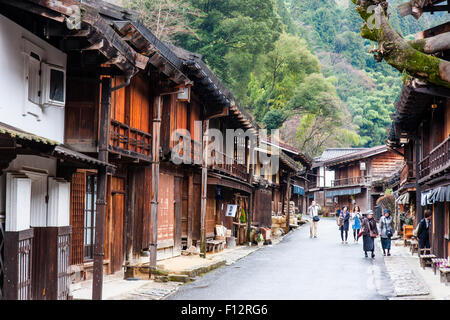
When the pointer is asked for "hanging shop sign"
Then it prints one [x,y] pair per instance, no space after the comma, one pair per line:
[231,210]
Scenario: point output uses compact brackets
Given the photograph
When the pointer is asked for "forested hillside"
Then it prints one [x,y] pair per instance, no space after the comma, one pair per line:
[298,65]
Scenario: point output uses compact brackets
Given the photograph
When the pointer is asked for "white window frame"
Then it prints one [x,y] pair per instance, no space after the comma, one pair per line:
[45,85]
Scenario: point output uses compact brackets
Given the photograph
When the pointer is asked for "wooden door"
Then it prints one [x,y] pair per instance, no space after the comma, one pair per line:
[116,235]
[211,212]
[185,208]
[166,216]
[178,204]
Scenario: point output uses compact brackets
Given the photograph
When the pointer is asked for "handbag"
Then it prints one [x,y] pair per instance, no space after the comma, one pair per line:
[316,218]
[388,229]
[371,233]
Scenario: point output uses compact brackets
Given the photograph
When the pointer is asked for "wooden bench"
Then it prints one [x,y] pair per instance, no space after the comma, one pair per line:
[425,257]
[445,275]
[213,245]
[437,262]
[414,246]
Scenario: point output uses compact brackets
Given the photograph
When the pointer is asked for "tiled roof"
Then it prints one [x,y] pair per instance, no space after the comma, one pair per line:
[331,153]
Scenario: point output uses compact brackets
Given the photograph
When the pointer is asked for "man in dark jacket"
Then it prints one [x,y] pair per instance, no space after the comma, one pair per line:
[422,231]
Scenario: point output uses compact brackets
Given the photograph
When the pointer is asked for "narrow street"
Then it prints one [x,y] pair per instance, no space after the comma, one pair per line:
[298,268]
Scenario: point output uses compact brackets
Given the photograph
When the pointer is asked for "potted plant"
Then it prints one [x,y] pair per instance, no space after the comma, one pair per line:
[260,240]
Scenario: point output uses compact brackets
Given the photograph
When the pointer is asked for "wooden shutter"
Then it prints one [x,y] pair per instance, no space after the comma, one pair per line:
[77,197]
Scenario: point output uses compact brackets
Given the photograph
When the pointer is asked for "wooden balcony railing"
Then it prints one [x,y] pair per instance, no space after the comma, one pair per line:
[130,141]
[351,181]
[408,172]
[437,160]
[229,165]
[312,183]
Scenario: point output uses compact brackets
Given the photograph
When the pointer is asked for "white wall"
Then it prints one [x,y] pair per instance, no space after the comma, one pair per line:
[14,98]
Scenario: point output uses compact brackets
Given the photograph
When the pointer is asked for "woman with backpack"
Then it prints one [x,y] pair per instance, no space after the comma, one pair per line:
[369,232]
[387,231]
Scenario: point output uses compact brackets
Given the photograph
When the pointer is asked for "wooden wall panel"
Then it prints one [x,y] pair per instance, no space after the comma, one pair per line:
[142,211]
[118,100]
[166,214]
[184,207]
[262,208]
[81,114]
[210,212]
[385,164]
[115,224]
[140,104]
[197,211]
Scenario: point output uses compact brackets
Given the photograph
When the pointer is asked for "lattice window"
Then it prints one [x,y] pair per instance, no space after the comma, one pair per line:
[77,197]
[89,216]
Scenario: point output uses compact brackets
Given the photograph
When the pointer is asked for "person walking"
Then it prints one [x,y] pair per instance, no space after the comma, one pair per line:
[423,230]
[386,231]
[369,233]
[356,222]
[313,211]
[344,225]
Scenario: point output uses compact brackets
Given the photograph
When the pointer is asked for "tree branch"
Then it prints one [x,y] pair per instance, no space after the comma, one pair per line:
[395,50]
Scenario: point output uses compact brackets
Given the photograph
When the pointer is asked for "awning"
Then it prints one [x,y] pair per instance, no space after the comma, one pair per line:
[298,190]
[344,192]
[403,199]
[64,152]
[22,135]
[439,194]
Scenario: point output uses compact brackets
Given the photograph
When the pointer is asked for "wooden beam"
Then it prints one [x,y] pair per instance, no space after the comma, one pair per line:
[33,8]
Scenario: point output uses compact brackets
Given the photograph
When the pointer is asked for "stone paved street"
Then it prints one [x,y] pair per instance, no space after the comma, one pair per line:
[298,268]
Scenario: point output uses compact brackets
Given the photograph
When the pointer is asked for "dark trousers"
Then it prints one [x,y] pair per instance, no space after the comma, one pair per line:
[342,234]
[424,243]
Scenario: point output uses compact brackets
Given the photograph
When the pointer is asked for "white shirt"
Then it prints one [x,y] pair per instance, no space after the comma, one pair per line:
[314,210]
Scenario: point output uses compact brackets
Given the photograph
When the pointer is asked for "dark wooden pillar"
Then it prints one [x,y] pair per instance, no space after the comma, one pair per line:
[288,198]
[190,215]
[250,214]
[155,181]
[129,219]
[418,146]
[204,190]
[99,251]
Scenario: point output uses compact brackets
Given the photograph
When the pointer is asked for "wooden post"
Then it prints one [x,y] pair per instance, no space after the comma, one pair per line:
[129,218]
[204,189]
[250,204]
[418,146]
[155,181]
[288,198]
[105,119]
[190,209]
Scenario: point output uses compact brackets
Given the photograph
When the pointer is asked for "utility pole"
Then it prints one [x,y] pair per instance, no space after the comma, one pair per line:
[97,286]
[204,189]
[155,182]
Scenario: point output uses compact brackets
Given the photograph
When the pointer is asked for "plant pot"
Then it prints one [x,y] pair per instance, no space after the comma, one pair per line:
[260,244]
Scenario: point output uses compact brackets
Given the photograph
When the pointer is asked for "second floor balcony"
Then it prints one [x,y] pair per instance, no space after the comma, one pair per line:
[231,166]
[126,140]
[352,181]
[437,161]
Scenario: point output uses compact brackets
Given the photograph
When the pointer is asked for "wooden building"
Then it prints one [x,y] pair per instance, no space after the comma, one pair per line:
[421,127]
[320,177]
[105,137]
[37,167]
[357,177]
